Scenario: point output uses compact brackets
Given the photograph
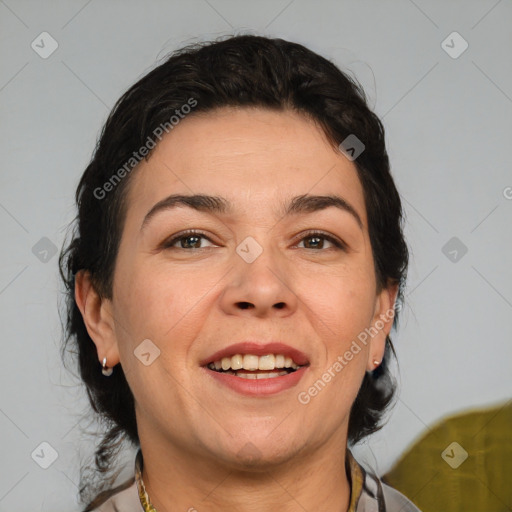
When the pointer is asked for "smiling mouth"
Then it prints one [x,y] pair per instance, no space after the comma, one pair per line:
[249,366]
[255,374]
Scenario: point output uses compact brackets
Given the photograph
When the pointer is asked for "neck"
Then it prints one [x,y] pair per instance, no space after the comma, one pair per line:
[309,481]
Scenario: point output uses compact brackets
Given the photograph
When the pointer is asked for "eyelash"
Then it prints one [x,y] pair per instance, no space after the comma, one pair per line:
[338,244]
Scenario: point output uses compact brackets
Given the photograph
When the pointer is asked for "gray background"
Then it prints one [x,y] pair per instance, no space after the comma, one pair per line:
[449,132]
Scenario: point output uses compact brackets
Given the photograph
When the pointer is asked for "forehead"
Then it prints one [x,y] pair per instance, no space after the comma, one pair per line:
[250,156]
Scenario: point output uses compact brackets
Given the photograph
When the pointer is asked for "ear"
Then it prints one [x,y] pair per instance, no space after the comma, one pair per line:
[97,314]
[382,323]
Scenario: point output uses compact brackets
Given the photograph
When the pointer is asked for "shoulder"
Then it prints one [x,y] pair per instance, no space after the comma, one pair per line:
[396,501]
[376,496]
[126,499]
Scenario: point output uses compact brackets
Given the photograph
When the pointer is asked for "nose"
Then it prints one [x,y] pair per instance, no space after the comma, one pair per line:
[261,288]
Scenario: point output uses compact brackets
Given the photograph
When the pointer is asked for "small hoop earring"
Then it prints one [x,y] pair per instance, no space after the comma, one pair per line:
[376,363]
[105,370]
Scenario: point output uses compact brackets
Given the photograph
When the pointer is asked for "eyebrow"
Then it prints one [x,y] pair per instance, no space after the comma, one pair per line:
[216,204]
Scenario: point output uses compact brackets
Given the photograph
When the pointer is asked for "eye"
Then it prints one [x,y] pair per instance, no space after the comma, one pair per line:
[316,240]
[188,240]
[192,239]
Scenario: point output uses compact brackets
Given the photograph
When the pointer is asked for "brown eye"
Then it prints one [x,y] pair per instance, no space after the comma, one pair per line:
[316,241]
[187,240]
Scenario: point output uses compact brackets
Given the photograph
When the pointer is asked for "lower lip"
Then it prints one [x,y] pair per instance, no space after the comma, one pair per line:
[258,387]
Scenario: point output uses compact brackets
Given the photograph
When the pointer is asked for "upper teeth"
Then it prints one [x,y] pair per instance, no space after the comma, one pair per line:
[252,362]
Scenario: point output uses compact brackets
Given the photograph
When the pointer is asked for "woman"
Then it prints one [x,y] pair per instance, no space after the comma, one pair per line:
[234,274]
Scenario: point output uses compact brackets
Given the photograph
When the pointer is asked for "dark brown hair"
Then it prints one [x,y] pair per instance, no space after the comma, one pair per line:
[243,70]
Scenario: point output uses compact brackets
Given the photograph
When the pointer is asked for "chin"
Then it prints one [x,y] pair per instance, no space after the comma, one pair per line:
[259,454]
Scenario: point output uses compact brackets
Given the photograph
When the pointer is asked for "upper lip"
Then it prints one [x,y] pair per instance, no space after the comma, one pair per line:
[258,349]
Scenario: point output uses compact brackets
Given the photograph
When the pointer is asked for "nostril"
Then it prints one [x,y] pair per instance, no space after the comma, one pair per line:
[248,305]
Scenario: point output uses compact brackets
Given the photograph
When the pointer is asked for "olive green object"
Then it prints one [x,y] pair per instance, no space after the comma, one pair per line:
[463,464]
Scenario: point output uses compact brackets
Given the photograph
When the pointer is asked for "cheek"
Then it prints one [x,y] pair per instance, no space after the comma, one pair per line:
[342,303]
[153,305]
[161,304]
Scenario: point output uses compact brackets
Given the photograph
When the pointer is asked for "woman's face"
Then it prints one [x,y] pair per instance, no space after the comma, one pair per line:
[251,272]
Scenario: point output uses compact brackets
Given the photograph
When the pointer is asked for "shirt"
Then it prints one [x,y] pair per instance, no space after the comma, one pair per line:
[367,493]
[463,462]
